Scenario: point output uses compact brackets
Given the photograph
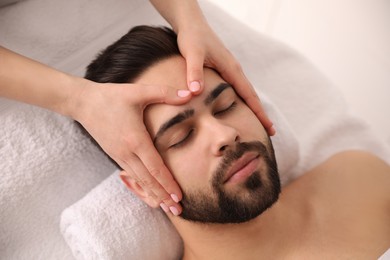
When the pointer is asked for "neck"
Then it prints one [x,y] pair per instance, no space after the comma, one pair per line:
[264,235]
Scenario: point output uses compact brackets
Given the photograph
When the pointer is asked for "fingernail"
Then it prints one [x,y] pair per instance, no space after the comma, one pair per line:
[183,93]
[194,86]
[175,198]
[174,211]
[164,207]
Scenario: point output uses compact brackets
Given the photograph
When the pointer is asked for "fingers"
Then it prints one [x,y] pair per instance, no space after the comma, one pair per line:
[232,72]
[195,80]
[154,177]
[255,105]
[149,94]
[121,132]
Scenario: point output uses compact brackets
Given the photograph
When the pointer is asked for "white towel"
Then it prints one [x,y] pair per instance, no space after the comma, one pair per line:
[46,163]
[112,223]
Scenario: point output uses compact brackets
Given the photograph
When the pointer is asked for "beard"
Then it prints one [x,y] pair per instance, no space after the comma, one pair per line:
[257,193]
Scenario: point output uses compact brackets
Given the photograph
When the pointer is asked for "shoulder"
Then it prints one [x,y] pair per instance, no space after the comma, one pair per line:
[346,202]
[356,167]
[355,174]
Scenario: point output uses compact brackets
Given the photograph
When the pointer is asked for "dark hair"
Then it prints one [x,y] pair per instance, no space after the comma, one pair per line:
[127,58]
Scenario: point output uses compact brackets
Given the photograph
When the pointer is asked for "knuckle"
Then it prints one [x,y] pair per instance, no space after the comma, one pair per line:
[136,145]
[136,141]
[147,183]
[166,199]
[156,173]
[121,154]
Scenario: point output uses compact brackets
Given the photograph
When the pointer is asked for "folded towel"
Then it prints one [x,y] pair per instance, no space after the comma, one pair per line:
[112,223]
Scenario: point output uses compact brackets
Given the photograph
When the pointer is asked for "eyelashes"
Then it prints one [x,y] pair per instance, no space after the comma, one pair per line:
[183,141]
[190,133]
[223,111]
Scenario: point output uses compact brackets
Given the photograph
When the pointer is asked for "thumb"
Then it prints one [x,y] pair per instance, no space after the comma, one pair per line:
[195,73]
[149,94]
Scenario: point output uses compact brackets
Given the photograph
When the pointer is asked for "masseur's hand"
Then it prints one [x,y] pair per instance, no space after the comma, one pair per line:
[201,47]
[113,115]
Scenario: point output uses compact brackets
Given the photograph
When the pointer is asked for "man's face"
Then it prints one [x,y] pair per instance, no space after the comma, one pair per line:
[215,147]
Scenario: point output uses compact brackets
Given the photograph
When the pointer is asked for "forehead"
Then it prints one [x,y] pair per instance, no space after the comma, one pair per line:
[172,72]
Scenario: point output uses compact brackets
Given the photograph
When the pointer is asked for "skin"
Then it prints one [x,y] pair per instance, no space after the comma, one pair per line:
[212,132]
[225,127]
[338,210]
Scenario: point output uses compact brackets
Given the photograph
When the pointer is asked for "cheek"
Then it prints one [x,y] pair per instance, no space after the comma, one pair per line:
[249,125]
[188,167]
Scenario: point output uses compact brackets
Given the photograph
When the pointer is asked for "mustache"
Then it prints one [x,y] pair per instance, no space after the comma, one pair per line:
[234,154]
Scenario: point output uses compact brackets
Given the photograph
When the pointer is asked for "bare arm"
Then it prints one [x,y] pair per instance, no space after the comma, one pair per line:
[31,82]
[180,14]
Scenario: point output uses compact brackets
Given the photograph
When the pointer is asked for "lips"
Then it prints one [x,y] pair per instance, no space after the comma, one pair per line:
[240,164]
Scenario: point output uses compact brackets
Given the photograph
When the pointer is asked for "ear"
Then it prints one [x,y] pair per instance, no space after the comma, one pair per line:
[133,186]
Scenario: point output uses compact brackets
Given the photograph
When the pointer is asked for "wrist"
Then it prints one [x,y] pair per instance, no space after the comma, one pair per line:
[180,14]
[189,20]
[74,99]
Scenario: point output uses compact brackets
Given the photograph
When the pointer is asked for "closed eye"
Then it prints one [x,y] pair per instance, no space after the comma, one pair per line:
[226,110]
[184,140]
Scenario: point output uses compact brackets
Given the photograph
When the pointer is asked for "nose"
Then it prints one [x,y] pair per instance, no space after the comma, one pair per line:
[222,136]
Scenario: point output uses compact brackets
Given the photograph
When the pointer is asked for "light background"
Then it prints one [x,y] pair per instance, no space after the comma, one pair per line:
[348,40]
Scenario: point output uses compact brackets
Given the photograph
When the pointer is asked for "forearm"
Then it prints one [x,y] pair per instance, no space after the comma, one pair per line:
[34,83]
[179,13]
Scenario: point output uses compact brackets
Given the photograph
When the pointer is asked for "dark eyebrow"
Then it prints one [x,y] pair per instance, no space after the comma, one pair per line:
[216,92]
[174,121]
[190,112]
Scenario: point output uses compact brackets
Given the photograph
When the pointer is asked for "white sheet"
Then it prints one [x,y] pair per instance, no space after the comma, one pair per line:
[46,165]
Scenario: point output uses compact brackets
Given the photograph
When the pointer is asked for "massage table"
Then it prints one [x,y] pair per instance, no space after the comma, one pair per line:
[61,197]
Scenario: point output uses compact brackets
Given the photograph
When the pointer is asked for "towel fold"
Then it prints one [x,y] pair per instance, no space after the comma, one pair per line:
[112,223]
